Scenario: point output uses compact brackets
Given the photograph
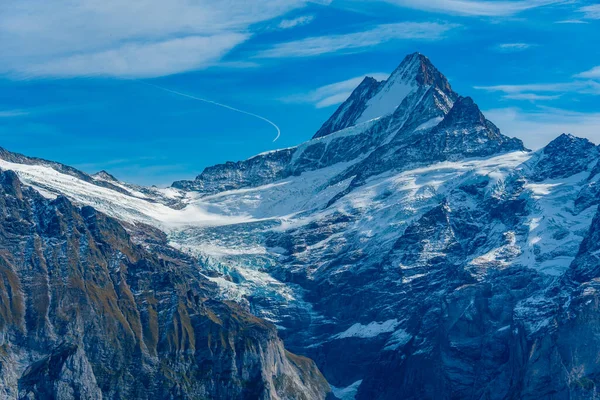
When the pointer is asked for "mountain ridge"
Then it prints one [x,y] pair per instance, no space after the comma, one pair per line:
[414,100]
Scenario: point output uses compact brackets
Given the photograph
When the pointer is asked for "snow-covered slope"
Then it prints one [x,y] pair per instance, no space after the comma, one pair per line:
[163,208]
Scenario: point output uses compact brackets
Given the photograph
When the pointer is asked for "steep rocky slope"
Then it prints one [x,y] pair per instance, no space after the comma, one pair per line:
[87,314]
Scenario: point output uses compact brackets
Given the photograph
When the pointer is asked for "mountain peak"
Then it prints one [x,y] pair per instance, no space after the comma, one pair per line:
[105,176]
[565,156]
[347,113]
[419,68]
[568,138]
[464,112]
[372,99]
[368,81]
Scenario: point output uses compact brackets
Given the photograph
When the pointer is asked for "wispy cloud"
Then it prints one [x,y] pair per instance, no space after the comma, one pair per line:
[531,96]
[591,12]
[358,41]
[572,21]
[132,39]
[292,23]
[13,113]
[475,8]
[332,94]
[538,127]
[593,73]
[544,91]
[141,60]
[513,47]
[236,64]
[41,110]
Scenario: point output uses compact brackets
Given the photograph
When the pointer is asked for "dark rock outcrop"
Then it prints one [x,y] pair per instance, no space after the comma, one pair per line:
[565,156]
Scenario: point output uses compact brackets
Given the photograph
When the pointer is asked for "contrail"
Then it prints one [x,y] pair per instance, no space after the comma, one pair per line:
[216,104]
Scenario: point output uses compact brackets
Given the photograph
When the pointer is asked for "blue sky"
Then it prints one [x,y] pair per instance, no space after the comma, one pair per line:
[78,81]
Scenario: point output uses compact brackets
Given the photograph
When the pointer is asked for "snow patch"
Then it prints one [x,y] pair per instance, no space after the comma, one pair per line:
[429,124]
[386,101]
[370,330]
[347,393]
[397,340]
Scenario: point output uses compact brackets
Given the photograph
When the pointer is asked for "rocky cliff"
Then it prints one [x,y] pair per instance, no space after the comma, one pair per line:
[87,314]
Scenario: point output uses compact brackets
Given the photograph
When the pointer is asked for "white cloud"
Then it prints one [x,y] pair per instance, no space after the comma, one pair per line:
[40,110]
[572,21]
[514,47]
[237,64]
[537,128]
[531,96]
[291,23]
[593,73]
[591,12]
[332,94]
[13,113]
[357,41]
[142,60]
[578,86]
[475,7]
[67,38]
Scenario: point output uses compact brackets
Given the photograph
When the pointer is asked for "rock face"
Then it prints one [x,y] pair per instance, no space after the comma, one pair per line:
[256,171]
[565,156]
[462,133]
[87,314]
[410,248]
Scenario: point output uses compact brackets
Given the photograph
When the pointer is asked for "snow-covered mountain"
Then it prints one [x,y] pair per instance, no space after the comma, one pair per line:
[372,99]
[410,248]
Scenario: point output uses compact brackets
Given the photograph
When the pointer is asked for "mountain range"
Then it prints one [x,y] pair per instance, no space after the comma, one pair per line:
[408,250]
